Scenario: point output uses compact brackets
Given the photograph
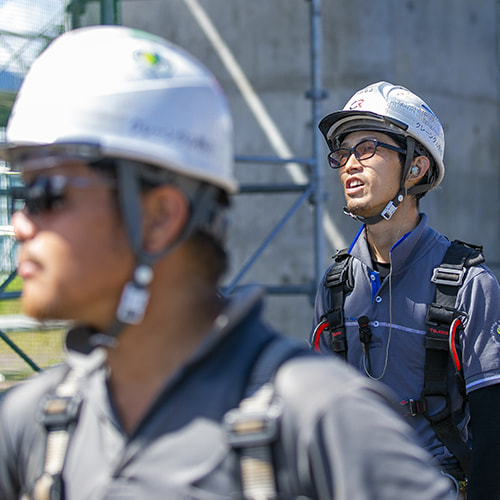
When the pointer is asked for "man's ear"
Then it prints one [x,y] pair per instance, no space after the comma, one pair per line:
[165,214]
[419,168]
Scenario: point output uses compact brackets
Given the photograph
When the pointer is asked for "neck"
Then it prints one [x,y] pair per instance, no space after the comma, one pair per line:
[382,236]
[180,312]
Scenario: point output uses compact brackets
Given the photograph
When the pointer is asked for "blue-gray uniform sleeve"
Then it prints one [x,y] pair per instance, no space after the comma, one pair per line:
[347,440]
[479,299]
[480,342]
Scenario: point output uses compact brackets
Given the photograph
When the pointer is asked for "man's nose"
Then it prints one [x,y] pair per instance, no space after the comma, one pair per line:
[352,162]
[24,227]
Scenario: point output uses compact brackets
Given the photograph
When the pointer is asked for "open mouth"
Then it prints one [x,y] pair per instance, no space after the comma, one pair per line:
[353,184]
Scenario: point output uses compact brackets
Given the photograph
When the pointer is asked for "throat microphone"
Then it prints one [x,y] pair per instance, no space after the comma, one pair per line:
[365,337]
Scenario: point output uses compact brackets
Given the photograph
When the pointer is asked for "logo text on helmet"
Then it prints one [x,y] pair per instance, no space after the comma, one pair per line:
[357,104]
[141,128]
[429,110]
[402,105]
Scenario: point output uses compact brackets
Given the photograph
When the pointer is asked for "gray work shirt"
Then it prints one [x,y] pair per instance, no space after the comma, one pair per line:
[339,437]
[397,308]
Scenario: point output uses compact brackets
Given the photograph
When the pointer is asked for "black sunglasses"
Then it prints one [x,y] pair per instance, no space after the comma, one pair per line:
[361,151]
[48,193]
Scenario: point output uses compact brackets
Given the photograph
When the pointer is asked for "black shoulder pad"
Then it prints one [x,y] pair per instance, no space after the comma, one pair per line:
[470,254]
[340,271]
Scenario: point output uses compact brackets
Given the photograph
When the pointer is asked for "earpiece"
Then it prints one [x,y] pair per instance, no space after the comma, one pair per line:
[414,171]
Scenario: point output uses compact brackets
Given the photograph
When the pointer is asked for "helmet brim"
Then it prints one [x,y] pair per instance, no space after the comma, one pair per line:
[45,154]
[48,155]
[344,122]
[341,123]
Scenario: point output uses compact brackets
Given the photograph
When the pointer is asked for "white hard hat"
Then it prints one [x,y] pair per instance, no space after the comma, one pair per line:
[135,95]
[390,108]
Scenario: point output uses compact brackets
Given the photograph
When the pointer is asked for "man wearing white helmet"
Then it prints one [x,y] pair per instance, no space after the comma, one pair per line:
[403,304]
[124,142]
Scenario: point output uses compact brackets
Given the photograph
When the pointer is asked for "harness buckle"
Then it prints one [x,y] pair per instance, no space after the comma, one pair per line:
[58,411]
[415,407]
[448,276]
[252,428]
[389,210]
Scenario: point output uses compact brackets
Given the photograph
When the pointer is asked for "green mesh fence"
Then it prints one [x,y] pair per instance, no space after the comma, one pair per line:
[26,28]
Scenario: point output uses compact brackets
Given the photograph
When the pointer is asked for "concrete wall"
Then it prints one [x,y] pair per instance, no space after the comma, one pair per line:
[444,50]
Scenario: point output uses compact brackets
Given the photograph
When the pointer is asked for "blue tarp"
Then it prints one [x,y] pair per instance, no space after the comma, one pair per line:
[10,82]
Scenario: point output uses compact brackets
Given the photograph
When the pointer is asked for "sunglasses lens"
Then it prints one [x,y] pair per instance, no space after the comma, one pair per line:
[38,196]
[17,197]
[43,194]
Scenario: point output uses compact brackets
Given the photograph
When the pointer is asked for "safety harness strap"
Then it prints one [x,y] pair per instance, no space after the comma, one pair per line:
[254,425]
[337,280]
[60,412]
[443,323]
[251,428]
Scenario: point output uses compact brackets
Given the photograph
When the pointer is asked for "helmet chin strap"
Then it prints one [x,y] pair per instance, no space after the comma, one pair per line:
[135,294]
[392,206]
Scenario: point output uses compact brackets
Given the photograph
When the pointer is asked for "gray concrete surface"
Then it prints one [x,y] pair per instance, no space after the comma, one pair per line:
[260,50]
[444,50]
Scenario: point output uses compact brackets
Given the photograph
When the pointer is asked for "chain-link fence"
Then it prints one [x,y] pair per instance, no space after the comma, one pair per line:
[26,28]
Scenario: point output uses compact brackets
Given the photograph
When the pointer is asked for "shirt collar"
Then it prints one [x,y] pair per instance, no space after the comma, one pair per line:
[401,251]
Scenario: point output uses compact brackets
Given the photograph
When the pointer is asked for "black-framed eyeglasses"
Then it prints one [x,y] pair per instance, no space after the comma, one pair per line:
[364,150]
[48,193]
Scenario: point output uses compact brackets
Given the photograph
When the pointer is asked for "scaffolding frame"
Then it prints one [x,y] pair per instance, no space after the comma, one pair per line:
[310,192]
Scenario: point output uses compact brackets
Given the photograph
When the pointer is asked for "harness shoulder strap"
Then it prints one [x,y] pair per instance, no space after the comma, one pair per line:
[443,323]
[254,425]
[60,411]
[339,282]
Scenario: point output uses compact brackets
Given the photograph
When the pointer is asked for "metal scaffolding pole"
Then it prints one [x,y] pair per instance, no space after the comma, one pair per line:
[312,192]
[317,93]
